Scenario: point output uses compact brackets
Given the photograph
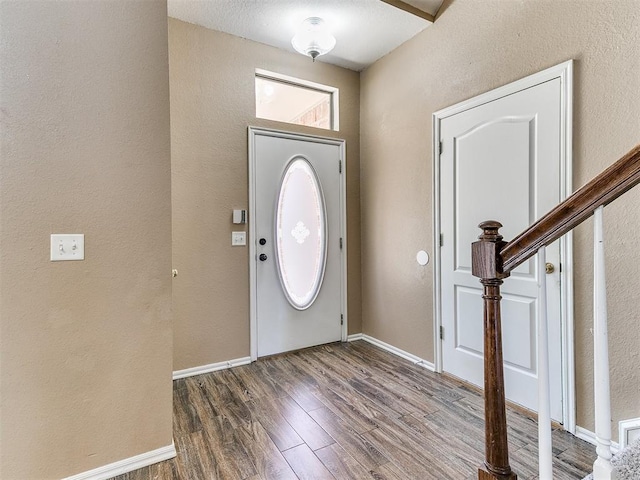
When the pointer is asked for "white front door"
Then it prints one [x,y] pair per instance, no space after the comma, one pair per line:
[297,211]
[501,161]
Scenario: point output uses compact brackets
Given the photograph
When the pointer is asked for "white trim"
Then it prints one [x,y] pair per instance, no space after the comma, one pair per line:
[564,71]
[557,71]
[589,436]
[253,294]
[127,465]
[345,240]
[437,252]
[395,350]
[624,427]
[566,250]
[212,367]
[333,91]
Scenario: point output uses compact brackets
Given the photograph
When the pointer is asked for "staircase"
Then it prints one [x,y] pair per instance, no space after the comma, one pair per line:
[493,259]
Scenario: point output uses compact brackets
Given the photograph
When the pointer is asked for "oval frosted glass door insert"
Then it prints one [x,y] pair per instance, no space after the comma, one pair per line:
[301,234]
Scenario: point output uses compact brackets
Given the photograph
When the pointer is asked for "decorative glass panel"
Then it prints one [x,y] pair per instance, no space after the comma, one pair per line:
[301,234]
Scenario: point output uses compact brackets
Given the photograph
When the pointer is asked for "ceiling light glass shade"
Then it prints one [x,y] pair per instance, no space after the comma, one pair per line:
[313,38]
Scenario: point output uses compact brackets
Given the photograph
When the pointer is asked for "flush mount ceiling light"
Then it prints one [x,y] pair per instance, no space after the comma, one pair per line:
[313,38]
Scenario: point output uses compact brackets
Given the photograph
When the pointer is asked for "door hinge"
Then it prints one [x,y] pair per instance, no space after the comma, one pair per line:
[340,243]
[341,319]
[441,332]
[339,166]
[440,148]
[442,239]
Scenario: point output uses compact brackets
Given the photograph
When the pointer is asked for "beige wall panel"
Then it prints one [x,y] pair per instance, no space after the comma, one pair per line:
[212,105]
[84,129]
[474,47]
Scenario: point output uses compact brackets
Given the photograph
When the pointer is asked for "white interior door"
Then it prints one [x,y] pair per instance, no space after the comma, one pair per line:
[501,161]
[297,219]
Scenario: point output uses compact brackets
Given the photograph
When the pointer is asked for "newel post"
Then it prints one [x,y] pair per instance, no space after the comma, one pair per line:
[487,265]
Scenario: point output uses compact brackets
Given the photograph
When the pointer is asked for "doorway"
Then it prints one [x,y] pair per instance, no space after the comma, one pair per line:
[505,156]
[297,241]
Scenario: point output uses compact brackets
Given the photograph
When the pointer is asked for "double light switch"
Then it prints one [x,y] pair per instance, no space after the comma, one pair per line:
[67,247]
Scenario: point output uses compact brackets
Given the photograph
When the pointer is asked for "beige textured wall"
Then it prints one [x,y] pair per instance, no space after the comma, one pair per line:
[474,47]
[212,104]
[84,131]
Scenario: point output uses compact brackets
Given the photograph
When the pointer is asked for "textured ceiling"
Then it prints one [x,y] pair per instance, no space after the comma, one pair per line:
[365,30]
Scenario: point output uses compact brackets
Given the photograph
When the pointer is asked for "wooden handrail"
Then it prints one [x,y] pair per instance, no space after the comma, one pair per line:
[492,260]
[602,190]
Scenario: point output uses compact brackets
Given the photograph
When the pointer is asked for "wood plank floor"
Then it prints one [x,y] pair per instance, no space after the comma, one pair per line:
[342,411]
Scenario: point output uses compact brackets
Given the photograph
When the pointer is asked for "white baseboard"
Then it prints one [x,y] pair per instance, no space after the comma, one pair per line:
[212,367]
[127,465]
[589,436]
[395,350]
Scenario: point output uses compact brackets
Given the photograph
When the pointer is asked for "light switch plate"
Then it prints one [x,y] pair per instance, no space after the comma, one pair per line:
[67,247]
[238,238]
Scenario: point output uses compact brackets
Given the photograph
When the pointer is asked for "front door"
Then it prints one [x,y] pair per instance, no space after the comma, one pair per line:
[501,161]
[297,210]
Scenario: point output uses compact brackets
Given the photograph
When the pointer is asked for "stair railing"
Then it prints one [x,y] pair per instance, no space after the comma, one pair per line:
[493,260]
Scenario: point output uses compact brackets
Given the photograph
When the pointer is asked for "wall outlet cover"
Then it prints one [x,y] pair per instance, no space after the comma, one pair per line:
[629,431]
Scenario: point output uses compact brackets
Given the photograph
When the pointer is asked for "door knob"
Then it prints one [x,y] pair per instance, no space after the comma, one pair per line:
[549,267]
[262,241]
[262,257]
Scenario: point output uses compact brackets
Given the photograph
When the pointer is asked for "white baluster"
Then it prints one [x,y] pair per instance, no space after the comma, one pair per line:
[602,468]
[545,457]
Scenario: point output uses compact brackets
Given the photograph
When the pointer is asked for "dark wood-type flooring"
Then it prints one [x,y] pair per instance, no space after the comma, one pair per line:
[342,411]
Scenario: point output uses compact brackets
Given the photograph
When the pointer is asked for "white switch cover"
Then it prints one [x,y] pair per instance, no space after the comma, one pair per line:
[67,247]
[238,238]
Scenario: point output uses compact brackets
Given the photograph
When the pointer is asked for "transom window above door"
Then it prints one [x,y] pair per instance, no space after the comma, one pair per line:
[292,100]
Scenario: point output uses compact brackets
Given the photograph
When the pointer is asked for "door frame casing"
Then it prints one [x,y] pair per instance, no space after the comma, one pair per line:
[563,71]
[253,286]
